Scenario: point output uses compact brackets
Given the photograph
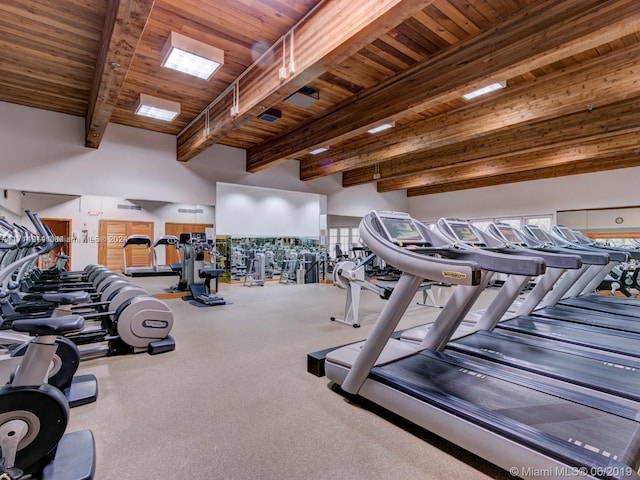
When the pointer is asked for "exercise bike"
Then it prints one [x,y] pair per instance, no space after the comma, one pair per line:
[34,415]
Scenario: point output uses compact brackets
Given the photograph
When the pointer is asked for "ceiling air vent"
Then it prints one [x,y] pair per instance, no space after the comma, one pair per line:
[305,97]
[270,115]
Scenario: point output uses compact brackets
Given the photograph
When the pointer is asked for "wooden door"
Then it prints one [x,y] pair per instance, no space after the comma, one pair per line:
[176,229]
[113,233]
[61,228]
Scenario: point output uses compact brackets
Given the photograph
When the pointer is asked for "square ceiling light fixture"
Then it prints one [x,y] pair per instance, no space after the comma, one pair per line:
[191,56]
[481,91]
[157,108]
[305,97]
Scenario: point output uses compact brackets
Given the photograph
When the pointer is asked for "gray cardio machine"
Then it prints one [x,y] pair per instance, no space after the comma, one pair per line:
[588,359]
[572,299]
[587,333]
[485,409]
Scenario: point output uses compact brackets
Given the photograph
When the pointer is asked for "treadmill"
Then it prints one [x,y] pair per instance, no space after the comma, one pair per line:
[137,241]
[563,301]
[588,335]
[169,269]
[593,301]
[521,426]
[604,368]
[151,270]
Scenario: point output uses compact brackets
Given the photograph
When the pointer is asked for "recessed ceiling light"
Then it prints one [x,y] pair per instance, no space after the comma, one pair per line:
[157,108]
[191,56]
[481,91]
[380,128]
[270,115]
[318,150]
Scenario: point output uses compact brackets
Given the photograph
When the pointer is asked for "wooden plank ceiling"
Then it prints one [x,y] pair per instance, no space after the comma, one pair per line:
[571,103]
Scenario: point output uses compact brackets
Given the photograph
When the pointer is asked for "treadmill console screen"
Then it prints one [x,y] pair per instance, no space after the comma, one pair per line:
[568,234]
[509,233]
[539,234]
[400,228]
[464,233]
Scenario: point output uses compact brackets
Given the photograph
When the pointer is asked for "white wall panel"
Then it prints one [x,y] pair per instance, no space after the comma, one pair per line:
[264,212]
[615,188]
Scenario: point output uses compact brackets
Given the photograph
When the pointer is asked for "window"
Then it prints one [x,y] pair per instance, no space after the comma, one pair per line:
[345,238]
[542,221]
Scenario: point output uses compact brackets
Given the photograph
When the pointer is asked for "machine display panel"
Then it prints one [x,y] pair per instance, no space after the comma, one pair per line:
[509,233]
[539,234]
[192,238]
[464,232]
[568,234]
[400,228]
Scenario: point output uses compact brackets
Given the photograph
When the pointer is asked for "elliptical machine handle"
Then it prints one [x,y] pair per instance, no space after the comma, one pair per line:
[37,223]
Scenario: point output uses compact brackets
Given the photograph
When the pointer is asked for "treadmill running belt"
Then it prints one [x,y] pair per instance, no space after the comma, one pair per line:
[605,339]
[573,433]
[579,315]
[555,360]
[603,307]
[613,300]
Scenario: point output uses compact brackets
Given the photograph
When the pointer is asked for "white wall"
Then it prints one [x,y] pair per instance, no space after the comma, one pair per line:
[10,205]
[244,211]
[359,200]
[44,151]
[602,220]
[613,188]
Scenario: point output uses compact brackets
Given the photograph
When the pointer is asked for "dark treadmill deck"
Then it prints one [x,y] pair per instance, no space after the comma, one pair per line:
[595,370]
[567,431]
[594,304]
[612,299]
[588,317]
[615,341]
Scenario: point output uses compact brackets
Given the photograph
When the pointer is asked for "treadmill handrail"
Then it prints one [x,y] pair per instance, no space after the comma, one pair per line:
[137,240]
[552,259]
[590,257]
[614,255]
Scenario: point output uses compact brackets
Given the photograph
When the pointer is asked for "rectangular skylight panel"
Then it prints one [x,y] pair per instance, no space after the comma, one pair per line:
[156,113]
[380,128]
[191,64]
[318,150]
[484,90]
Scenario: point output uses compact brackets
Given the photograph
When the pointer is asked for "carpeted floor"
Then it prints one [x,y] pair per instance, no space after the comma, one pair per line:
[234,400]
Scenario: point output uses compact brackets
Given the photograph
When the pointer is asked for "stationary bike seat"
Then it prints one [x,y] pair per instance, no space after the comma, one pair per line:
[49,326]
[67,298]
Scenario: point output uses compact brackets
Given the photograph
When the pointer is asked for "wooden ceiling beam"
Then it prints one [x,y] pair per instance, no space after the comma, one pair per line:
[581,126]
[598,82]
[527,40]
[580,153]
[611,162]
[332,33]
[124,24]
